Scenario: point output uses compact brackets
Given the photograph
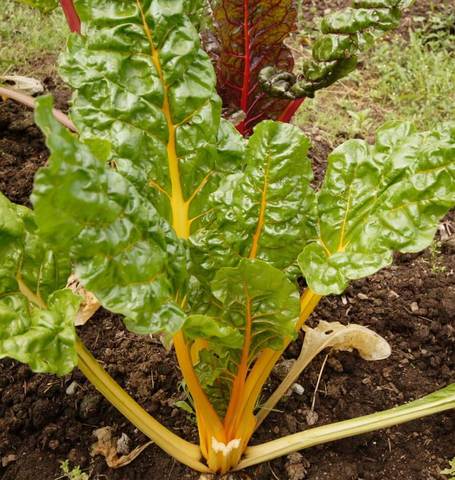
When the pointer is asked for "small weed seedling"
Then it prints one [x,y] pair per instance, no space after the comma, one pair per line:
[450,472]
[72,473]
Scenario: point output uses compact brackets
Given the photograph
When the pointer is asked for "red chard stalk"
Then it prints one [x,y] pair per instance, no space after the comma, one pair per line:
[71,15]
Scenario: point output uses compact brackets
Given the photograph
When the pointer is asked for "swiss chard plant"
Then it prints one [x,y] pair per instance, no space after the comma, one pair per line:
[172,219]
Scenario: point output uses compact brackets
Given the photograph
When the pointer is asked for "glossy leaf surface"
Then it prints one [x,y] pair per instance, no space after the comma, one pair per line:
[265,212]
[379,199]
[123,251]
[248,36]
[144,83]
[259,308]
[36,311]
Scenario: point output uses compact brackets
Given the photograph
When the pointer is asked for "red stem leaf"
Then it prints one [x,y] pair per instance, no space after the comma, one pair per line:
[71,15]
[248,36]
[290,110]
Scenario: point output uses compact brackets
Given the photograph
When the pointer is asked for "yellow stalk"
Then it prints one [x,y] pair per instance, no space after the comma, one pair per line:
[308,303]
[183,451]
[201,401]
[268,358]
[435,402]
[238,387]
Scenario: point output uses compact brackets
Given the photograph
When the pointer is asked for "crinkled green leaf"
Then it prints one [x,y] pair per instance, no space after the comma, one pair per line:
[256,298]
[215,371]
[36,311]
[353,20]
[231,145]
[262,293]
[123,251]
[24,254]
[378,199]
[143,82]
[344,34]
[209,328]
[266,211]
[44,338]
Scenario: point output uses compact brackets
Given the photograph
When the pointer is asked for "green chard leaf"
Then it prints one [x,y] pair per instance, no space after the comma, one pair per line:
[123,251]
[264,212]
[259,308]
[144,83]
[36,311]
[152,147]
[379,199]
[354,20]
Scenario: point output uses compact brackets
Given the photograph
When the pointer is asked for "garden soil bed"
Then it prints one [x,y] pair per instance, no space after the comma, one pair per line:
[412,304]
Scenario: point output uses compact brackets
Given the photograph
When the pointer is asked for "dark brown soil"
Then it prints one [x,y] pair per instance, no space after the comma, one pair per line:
[40,424]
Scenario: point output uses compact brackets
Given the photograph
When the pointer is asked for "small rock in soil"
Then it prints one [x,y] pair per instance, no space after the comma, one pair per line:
[89,405]
[311,417]
[298,389]
[7,459]
[124,444]
[296,466]
[282,368]
[71,390]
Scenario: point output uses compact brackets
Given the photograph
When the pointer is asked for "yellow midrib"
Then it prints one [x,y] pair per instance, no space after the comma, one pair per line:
[262,210]
[32,297]
[242,372]
[182,224]
[180,208]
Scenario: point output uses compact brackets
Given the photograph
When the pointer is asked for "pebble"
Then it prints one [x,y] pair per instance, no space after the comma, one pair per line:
[123,444]
[414,307]
[89,406]
[298,389]
[71,390]
[311,417]
[7,459]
